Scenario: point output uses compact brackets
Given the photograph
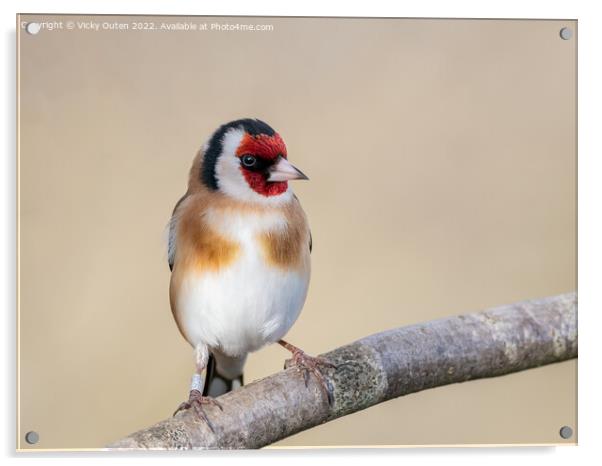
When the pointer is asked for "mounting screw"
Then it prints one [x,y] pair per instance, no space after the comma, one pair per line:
[32,437]
[566,33]
[566,432]
[33,28]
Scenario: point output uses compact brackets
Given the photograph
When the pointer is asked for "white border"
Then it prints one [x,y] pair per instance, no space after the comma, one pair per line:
[590,201]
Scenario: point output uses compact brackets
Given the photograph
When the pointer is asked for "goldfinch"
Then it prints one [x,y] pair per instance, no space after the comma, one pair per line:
[239,252]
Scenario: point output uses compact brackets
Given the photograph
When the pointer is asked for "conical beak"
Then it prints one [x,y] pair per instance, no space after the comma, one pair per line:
[283,170]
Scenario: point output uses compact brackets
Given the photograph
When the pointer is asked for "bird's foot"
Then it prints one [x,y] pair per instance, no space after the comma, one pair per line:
[196,401]
[309,364]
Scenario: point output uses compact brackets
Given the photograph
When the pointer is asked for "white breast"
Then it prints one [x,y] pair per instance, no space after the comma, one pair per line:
[247,304]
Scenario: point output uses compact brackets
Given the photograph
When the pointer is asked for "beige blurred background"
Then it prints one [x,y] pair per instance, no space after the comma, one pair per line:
[442,158]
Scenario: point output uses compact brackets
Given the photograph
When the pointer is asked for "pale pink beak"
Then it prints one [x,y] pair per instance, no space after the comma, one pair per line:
[283,170]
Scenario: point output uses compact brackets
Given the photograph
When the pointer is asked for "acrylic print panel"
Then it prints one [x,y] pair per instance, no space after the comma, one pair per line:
[442,162]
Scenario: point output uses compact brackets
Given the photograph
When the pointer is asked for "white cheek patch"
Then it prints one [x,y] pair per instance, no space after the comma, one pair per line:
[230,179]
[227,169]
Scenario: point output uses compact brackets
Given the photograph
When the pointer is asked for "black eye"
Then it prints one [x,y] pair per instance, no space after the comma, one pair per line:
[248,160]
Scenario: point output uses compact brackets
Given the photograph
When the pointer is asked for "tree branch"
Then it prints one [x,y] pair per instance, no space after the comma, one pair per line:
[377,368]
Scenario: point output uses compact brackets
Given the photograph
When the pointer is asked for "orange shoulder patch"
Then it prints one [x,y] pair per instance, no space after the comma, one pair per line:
[288,248]
[201,248]
[283,248]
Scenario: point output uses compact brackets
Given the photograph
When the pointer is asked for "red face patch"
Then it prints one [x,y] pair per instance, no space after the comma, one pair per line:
[262,145]
[267,148]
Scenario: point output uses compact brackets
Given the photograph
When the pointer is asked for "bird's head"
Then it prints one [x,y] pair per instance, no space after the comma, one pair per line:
[247,160]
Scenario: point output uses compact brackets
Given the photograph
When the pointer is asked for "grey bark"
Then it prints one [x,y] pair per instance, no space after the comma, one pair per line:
[377,368]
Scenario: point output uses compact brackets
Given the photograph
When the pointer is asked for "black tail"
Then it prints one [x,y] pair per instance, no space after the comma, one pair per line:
[215,383]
